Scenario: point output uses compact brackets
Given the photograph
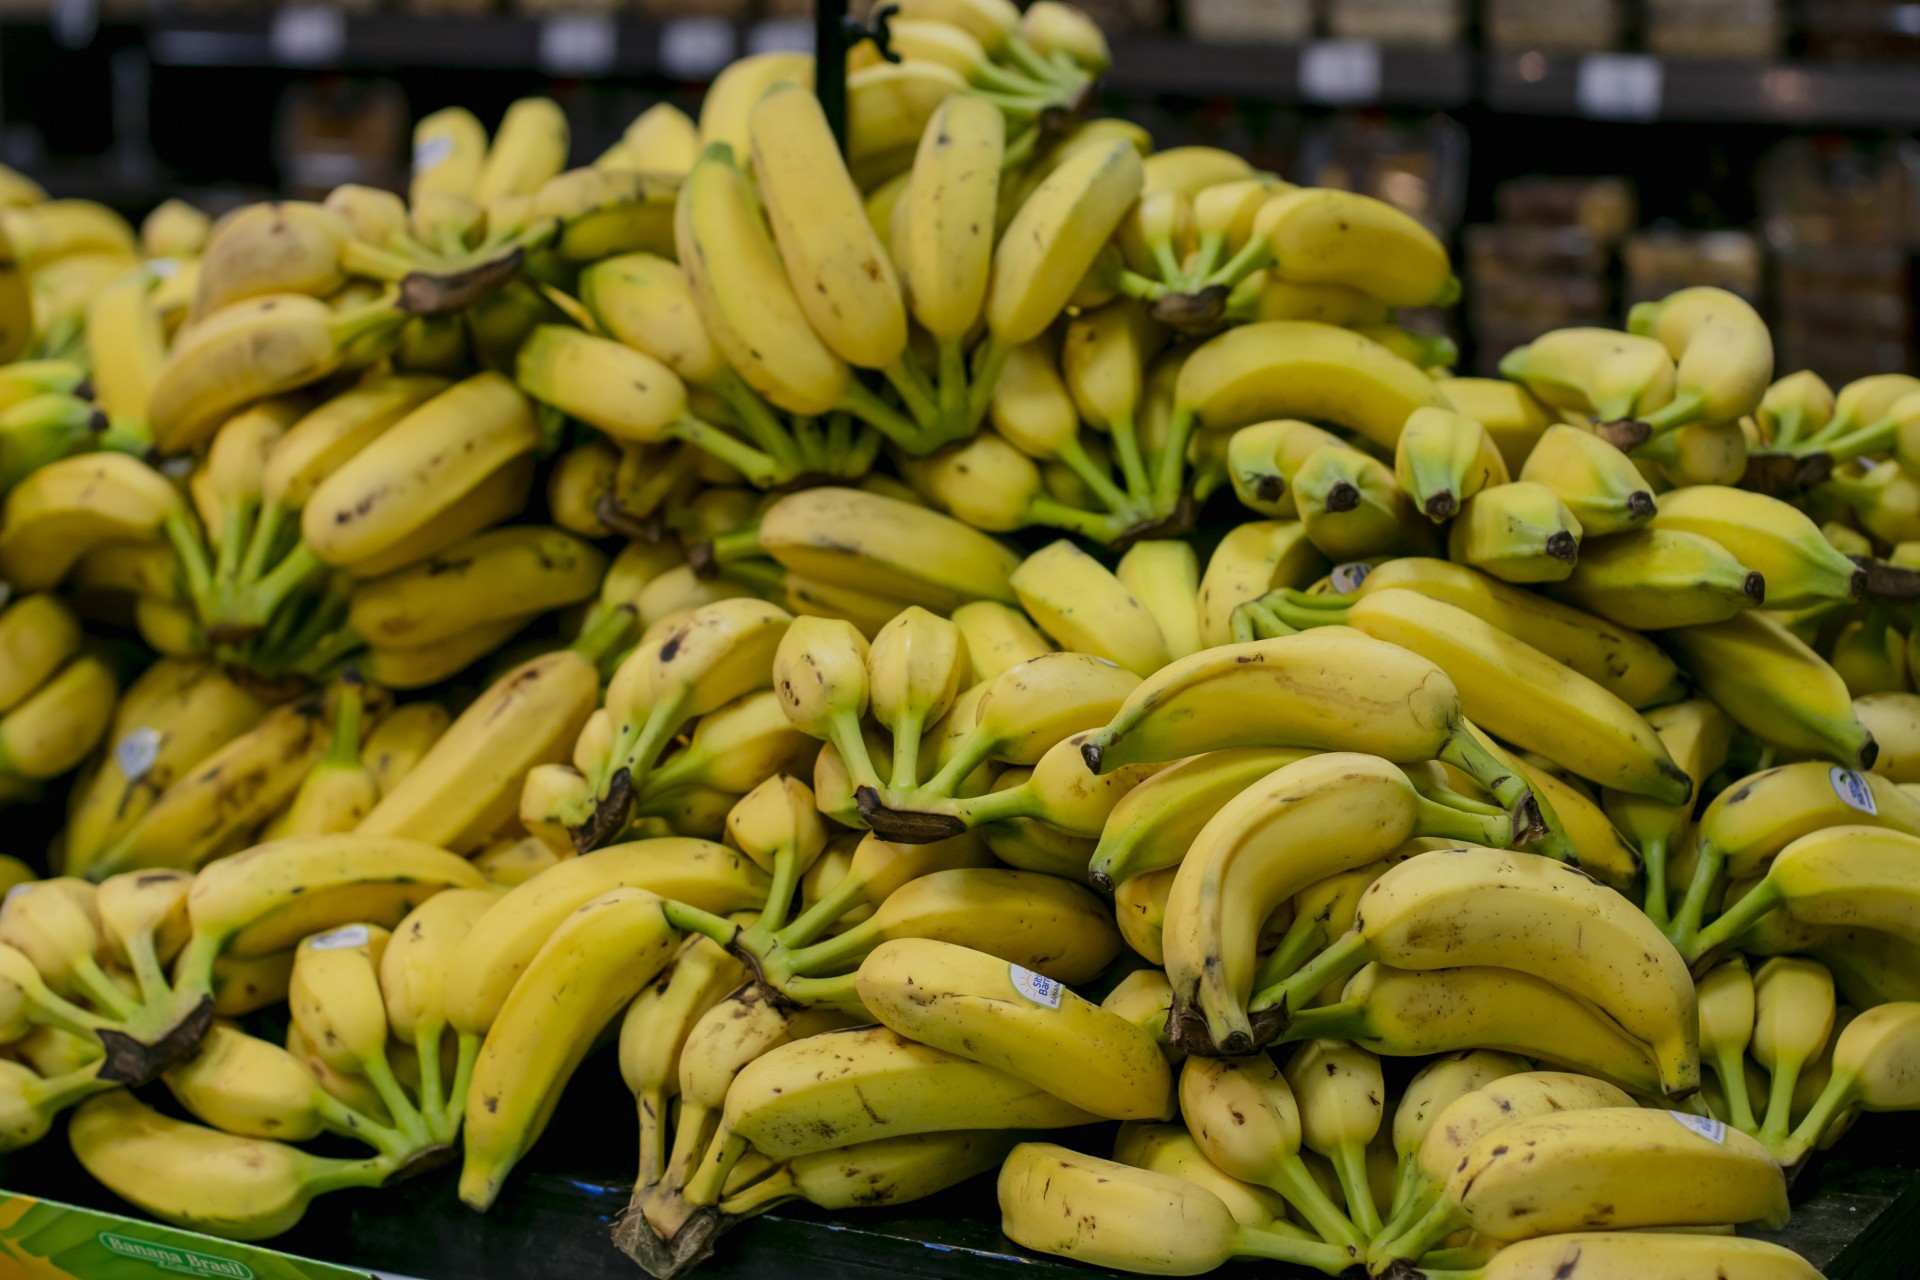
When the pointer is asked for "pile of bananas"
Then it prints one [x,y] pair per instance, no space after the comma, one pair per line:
[563,608]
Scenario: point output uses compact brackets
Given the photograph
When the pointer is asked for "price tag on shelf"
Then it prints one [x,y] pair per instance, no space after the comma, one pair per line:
[308,35]
[778,35]
[579,44]
[1619,86]
[696,48]
[1340,72]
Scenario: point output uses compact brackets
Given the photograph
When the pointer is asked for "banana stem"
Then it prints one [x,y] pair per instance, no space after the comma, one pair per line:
[50,1009]
[720,930]
[1074,456]
[147,969]
[467,1055]
[710,1179]
[1436,1224]
[1168,262]
[1299,1189]
[1172,461]
[910,384]
[1255,1242]
[776,1189]
[1779,1119]
[988,365]
[1686,406]
[234,523]
[1088,524]
[760,468]
[847,739]
[406,1117]
[953,385]
[266,532]
[1343,957]
[101,990]
[1835,1098]
[826,993]
[348,1123]
[330,1175]
[1255,254]
[1734,921]
[822,915]
[1729,1064]
[298,567]
[759,420]
[1350,1167]
[786,879]
[433,1102]
[881,416]
[833,955]
[192,555]
[1302,938]
[1407,1181]
[1126,451]
[906,750]
[1466,754]
[1877,438]
[1787,427]
[972,753]
[1206,258]
[1654,859]
[605,633]
[1436,819]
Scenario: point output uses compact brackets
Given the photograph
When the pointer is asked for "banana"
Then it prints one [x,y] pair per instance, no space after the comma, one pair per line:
[335,1000]
[661,139]
[1796,407]
[516,570]
[143,921]
[1700,453]
[1697,734]
[1429,1095]
[1510,414]
[1096,1211]
[737,746]
[1722,351]
[1774,686]
[276,246]
[1297,826]
[1605,1167]
[1253,559]
[1155,823]
[37,638]
[1658,579]
[1846,875]
[1608,376]
[259,347]
[1621,661]
[947,257]
[339,790]
[1352,508]
[1597,483]
[54,229]
[486,967]
[1766,535]
[1891,718]
[1082,606]
[252,1088]
[449,149]
[395,746]
[842,276]
[1642,984]
[1402,1013]
[1615,746]
[205,809]
[1243,1115]
[653,1034]
[529,148]
[997,637]
[882,1172]
[1519,532]
[859,1085]
[203,1180]
[915,669]
[413,973]
[1871,1071]
[1650,1255]
[1057,791]
[1793,1019]
[1170,1149]
[1300,369]
[1442,459]
[55,925]
[595,962]
[126,345]
[1008,1017]
[57,726]
[69,507]
[404,485]
[1021,714]
[1046,249]
[468,783]
[1342,1103]
[868,541]
[729,102]
[1037,922]
[1164,576]
[745,298]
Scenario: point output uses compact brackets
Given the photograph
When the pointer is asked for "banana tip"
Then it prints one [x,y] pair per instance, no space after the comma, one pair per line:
[1342,496]
[1441,505]
[1562,545]
[1755,587]
[1640,504]
[1092,750]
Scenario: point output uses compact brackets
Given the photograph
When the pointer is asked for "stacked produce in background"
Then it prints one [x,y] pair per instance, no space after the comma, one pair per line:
[930,653]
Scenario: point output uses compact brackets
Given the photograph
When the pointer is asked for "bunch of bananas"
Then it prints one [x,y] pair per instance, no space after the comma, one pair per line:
[738,602]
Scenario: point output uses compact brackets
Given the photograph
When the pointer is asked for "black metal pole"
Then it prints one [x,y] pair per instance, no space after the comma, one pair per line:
[830,63]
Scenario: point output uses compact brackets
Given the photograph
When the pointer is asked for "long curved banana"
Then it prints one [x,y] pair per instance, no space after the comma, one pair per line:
[594,963]
[1426,913]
